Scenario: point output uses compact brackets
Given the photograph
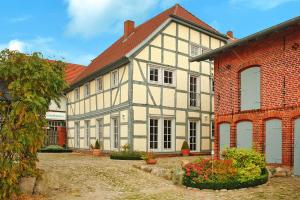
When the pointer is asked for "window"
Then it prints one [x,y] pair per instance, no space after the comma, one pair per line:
[193,91]
[193,135]
[76,94]
[153,134]
[167,133]
[115,78]
[168,77]
[195,50]
[99,84]
[87,133]
[87,89]
[77,134]
[100,131]
[250,89]
[115,127]
[153,73]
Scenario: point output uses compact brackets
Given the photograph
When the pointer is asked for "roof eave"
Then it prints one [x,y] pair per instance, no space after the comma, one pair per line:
[103,70]
[214,53]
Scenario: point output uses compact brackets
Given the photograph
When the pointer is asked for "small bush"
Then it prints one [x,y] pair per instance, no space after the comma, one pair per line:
[248,162]
[97,144]
[126,155]
[185,146]
[54,149]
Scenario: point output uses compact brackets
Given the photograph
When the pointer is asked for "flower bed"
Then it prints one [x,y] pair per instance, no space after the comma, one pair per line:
[239,169]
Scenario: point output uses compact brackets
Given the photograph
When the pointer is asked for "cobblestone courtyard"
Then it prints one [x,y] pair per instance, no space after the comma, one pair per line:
[79,177]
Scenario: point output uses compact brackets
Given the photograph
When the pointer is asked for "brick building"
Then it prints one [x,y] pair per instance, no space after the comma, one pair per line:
[257,93]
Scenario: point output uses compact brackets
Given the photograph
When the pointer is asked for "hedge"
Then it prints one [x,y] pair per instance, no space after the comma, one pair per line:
[126,156]
[54,149]
[233,184]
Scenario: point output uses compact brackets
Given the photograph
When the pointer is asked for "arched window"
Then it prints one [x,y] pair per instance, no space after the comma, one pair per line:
[250,89]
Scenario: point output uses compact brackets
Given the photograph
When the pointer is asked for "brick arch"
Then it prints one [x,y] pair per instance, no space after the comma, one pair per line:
[246,66]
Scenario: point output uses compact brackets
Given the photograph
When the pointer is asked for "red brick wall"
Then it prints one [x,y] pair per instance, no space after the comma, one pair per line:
[278,55]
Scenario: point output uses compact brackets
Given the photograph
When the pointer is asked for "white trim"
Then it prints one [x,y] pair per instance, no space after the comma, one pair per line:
[197,134]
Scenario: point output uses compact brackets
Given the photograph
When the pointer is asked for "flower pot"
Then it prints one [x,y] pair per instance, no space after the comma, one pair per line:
[96,152]
[185,152]
[151,161]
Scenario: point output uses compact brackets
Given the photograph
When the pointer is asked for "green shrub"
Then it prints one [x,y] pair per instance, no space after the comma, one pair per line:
[248,162]
[97,144]
[126,155]
[54,149]
[185,146]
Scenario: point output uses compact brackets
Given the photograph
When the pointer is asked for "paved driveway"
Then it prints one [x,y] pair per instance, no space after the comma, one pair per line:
[76,176]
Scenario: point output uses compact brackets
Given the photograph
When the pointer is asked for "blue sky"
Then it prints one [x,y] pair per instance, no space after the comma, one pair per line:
[78,30]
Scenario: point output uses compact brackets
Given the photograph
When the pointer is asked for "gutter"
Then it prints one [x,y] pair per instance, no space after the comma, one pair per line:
[212,54]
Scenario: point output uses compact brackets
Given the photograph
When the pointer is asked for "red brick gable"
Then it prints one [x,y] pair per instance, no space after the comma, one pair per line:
[123,45]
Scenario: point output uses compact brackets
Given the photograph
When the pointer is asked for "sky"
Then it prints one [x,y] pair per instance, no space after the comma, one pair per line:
[76,31]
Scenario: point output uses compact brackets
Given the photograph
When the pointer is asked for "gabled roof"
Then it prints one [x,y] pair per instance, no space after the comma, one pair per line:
[244,41]
[122,46]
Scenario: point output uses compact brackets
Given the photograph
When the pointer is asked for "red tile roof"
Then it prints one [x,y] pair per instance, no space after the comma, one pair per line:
[123,45]
[72,71]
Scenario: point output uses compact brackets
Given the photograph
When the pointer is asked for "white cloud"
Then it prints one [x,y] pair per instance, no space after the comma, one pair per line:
[15,45]
[259,4]
[93,17]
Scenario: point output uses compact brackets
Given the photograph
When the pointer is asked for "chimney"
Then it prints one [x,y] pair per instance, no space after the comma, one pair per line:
[128,27]
[230,34]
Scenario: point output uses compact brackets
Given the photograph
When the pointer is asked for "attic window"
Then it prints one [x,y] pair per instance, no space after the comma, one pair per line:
[195,50]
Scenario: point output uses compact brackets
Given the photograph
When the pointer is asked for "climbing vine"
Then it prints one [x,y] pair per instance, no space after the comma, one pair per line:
[31,82]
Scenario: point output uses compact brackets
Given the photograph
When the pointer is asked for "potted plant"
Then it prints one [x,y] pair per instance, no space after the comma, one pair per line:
[185,150]
[149,158]
[96,149]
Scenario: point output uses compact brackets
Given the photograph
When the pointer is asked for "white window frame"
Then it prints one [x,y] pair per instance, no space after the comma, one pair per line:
[114,79]
[158,74]
[160,134]
[115,144]
[197,134]
[77,134]
[77,94]
[100,131]
[161,71]
[192,52]
[172,135]
[197,91]
[99,81]
[87,89]
[87,133]
[173,76]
